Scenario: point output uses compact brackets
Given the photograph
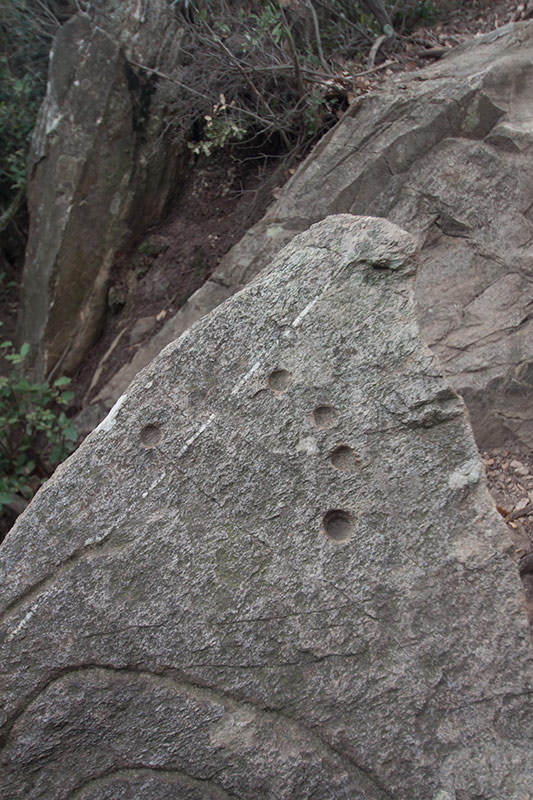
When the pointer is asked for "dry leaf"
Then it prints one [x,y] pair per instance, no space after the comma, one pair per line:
[522,503]
[162,314]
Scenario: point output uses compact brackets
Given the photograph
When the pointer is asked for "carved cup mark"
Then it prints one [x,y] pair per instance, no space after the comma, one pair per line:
[325,417]
[279,380]
[338,524]
[344,458]
[151,435]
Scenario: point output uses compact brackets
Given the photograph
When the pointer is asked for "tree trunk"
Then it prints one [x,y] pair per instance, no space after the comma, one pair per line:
[377,8]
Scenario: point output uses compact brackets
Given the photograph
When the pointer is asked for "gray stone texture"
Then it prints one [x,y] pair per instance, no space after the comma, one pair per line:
[446,153]
[102,168]
[274,570]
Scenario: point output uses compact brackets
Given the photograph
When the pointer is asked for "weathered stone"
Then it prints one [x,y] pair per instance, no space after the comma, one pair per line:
[88,418]
[142,327]
[274,570]
[446,153]
[209,296]
[96,178]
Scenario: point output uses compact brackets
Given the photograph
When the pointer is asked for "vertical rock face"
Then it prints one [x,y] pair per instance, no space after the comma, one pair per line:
[96,177]
[446,153]
[274,570]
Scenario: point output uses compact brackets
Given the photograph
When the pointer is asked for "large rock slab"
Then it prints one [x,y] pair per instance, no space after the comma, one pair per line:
[274,570]
[446,153]
[103,165]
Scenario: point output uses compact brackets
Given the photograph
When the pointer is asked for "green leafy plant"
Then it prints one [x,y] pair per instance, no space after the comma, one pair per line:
[35,432]
[270,19]
[19,98]
[17,116]
[219,130]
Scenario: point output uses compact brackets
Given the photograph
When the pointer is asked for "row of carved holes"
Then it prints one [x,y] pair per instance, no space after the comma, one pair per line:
[336,523]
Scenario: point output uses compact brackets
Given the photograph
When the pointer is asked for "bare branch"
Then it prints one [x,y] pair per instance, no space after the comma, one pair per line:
[12,209]
[377,8]
[317,36]
[374,51]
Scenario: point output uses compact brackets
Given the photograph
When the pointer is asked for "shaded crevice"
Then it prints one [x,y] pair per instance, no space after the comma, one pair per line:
[490,699]
[141,88]
[246,620]
[484,340]
[134,771]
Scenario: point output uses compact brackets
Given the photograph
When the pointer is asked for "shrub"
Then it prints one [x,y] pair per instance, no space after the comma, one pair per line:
[19,99]
[35,432]
[265,74]
[275,74]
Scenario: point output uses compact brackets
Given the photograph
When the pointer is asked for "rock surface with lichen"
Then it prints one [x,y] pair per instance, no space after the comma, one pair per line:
[274,570]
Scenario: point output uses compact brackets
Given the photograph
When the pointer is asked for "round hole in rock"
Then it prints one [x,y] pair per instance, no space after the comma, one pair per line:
[325,417]
[344,458]
[279,380]
[151,435]
[338,525]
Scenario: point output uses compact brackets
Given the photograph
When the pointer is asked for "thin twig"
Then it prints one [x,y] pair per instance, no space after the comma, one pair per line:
[235,60]
[60,361]
[317,36]
[522,512]
[328,79]
[374,51]
[433,52]
[48,13]
[290,37]
[268,123]
[11,211]
[374,69]
[422,41]
[240,67]
[175,81]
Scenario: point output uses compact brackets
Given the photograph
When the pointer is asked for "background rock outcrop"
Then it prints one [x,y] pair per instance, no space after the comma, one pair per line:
[274,570]
[446,153]
[103,165]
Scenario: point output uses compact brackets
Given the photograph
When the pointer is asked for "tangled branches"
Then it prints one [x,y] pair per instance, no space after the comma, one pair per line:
[270,74]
